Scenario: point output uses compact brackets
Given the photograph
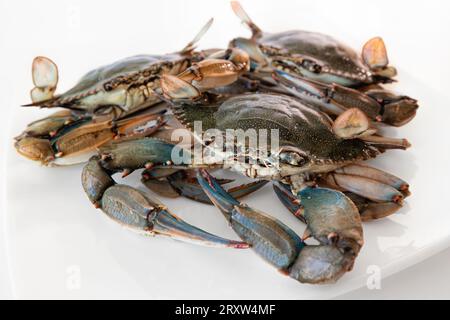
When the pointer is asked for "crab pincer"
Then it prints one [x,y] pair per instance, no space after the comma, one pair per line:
[315,55]
[139,212]
[376,193]
[332,219]
[397,109]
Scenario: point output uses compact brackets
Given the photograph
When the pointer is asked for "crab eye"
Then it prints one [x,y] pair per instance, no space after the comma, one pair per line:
[311,66]
[293,158]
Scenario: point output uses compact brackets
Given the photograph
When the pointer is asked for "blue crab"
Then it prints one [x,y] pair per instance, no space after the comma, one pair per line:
[316,172]
[315,55]
[326,66]
[321,99]
[115,99]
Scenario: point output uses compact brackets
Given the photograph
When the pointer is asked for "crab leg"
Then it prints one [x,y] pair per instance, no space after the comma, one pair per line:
[397,110]
[380,105]
[192,44]
[366,187]
[376,193]
[333,99]
[220,69]
[48,126]
[63,138]
[127,156]
[332,219]
[183,183]
[136,210]
[259,59]
[244,17]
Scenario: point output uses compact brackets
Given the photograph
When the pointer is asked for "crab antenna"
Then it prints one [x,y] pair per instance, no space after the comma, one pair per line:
[192,44]
[245,18]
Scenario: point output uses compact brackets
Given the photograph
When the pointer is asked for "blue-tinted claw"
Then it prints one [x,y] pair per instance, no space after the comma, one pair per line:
[369,176]
[277,244]
[136,210]
[332,218]
[321,264]
[165,223]
[271,239]
[291,202]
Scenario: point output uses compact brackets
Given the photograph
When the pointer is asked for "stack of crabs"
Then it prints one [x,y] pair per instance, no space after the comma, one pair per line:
[326,101]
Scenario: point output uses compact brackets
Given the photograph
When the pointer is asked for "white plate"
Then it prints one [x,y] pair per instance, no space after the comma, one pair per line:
[59,246]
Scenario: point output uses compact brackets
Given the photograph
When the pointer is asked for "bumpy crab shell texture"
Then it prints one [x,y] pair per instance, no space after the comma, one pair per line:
[298,125]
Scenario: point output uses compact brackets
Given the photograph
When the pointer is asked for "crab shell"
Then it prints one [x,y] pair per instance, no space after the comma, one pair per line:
[300,128]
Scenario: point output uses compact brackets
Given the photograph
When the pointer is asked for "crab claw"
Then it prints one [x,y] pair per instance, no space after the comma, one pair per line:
[332,218]
[397,110]
[218,70]
[271,239]
[45,79]
[280,246]
[376,193]
[140,153]
[136,210]
[321,264]
[245,18]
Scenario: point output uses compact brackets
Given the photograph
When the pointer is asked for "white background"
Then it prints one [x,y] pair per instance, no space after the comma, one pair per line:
[81,35]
